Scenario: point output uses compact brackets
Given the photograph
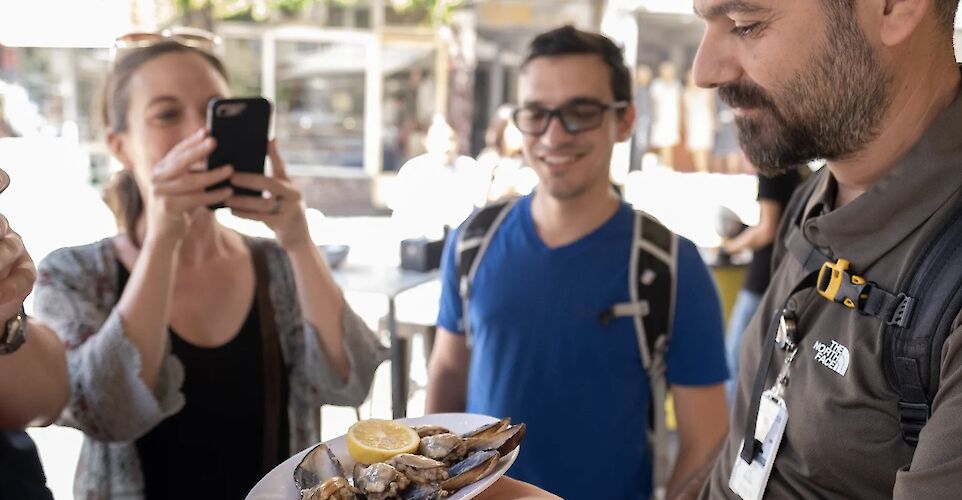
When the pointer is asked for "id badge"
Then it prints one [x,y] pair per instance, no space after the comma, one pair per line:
[748,481]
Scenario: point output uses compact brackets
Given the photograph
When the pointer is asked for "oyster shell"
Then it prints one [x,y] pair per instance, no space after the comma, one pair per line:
[488,429]
[471,469]
[425,491]
[503,441]
[419,469]
[320,476]
[430,430]
[448,448]
[335,488]
[379,481]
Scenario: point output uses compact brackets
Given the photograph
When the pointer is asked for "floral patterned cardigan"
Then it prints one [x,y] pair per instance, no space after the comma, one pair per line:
[76,294]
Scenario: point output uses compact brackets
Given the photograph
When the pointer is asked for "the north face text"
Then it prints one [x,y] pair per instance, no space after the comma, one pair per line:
[833,356]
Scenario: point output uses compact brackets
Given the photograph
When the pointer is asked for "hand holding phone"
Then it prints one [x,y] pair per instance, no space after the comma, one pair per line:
[240,126]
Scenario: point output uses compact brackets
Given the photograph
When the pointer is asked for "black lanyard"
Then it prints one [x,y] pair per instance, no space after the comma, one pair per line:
[864,297]
[752,446]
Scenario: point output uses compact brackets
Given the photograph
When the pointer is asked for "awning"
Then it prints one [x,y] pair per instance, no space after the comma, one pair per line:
[63,23]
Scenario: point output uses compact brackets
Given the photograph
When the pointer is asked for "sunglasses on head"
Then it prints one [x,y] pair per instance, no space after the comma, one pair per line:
[579,115]
[190,37]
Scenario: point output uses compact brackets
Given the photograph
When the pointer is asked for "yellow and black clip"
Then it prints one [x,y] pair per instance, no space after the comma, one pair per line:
[835,283]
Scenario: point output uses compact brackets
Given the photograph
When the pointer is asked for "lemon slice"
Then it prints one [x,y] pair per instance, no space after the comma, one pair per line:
[371,441]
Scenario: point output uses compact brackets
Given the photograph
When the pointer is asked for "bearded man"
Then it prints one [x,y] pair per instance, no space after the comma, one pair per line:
[873,88]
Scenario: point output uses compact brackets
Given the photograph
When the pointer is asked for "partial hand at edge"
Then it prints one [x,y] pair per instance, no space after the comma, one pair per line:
[506,488]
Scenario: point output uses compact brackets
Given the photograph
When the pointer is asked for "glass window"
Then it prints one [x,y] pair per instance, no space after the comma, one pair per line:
[243,59]
[411,16]
[336,15]
[408,107]
[320,103]
[53,92]
[362,17]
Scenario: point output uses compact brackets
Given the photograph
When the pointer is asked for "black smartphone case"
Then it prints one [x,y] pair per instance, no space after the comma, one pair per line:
[240,126]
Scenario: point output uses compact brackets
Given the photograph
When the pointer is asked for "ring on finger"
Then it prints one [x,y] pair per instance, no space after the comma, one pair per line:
[276,209]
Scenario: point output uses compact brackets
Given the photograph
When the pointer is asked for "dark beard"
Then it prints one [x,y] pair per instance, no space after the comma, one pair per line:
[831,109]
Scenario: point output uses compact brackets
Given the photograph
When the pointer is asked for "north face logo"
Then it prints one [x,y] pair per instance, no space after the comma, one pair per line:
[834,356]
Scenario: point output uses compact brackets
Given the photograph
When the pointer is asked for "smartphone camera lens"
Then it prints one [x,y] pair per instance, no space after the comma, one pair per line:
[230,110]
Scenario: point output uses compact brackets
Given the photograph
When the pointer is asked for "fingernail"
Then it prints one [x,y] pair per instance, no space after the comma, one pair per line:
[200,132]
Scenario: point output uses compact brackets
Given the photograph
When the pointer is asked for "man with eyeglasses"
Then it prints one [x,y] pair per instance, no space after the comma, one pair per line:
[540,354]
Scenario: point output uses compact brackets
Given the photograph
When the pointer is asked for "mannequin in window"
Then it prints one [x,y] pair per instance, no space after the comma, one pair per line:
[727,149]
[643,108]
[666,112]
[699,123]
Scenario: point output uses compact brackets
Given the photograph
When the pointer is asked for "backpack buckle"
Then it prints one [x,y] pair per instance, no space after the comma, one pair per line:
[835,283]
[912,417]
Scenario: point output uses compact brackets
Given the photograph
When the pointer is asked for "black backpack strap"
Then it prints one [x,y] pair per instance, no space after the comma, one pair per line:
[654,268]
[835,281]
[912,353]
[473,239]
[652,281]
[792,217]
[917,320]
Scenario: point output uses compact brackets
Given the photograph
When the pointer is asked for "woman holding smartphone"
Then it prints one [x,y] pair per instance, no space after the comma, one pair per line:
[199,358]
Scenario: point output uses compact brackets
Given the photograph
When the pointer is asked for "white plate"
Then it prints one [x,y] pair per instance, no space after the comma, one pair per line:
[278,484]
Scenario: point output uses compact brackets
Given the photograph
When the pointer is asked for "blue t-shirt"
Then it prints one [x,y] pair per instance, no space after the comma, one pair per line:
[541,355]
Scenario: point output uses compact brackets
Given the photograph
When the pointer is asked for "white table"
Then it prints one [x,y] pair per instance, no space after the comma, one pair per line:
[388,281]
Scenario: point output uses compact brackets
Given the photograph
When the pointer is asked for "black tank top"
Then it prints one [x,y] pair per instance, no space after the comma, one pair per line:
[21,476]
[213,447]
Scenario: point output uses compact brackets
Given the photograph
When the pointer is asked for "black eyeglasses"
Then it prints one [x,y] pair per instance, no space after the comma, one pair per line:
[576,116]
